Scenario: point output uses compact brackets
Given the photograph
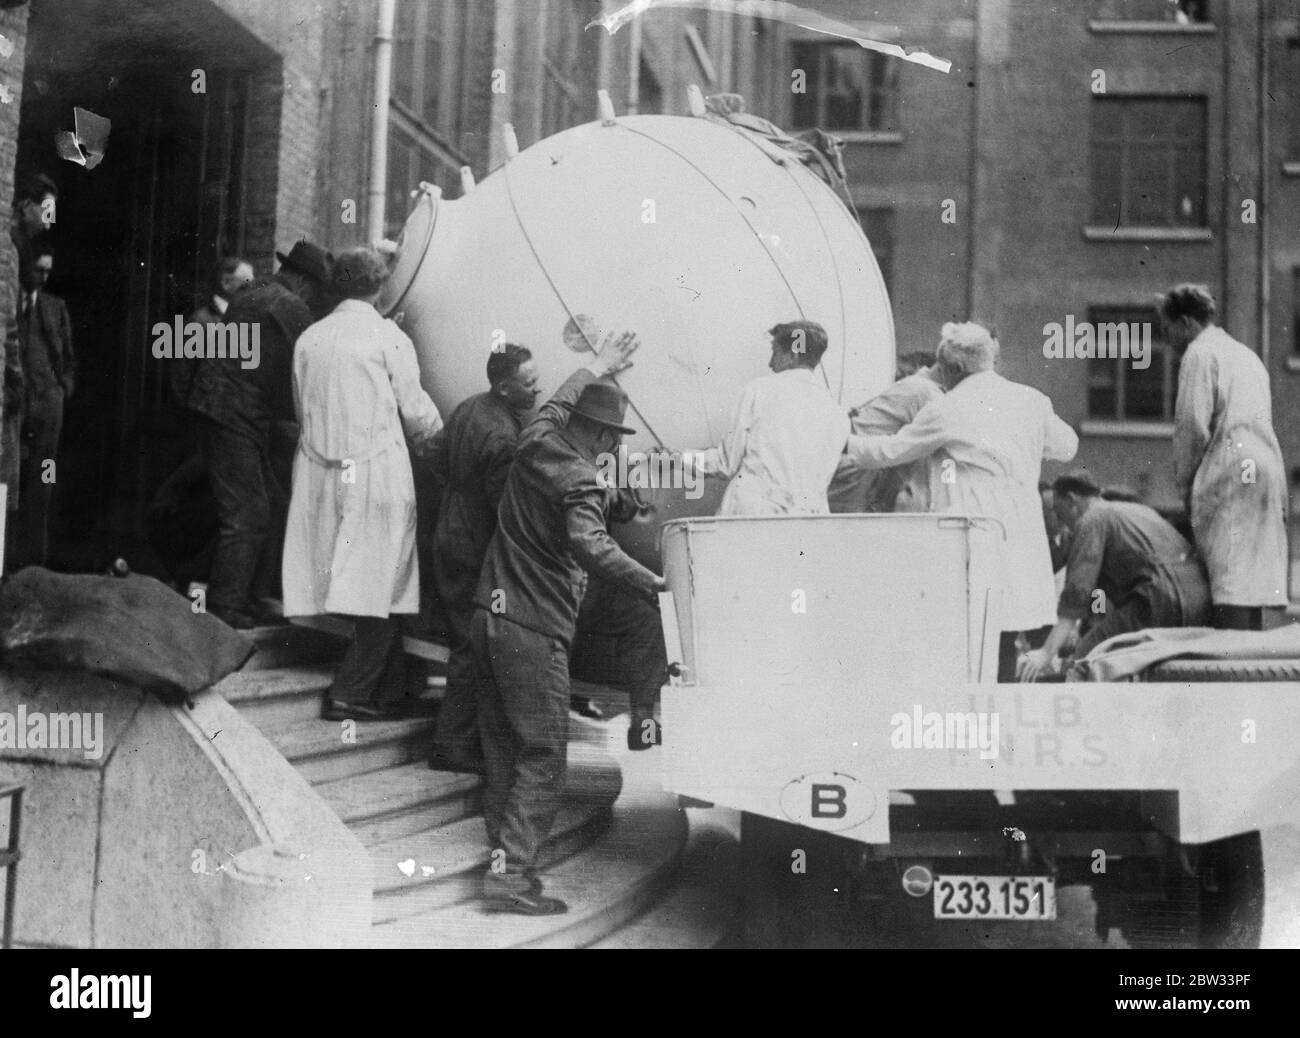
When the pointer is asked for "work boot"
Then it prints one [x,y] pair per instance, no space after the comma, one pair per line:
[584,707]
[518,894]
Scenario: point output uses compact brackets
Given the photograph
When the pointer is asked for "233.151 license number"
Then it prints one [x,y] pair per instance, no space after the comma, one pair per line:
[995,897]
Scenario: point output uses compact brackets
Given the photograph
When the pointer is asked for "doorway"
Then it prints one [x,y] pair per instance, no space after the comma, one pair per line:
[135,239]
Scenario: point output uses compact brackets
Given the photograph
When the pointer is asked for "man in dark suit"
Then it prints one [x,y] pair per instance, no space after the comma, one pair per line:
[551,528]
[33,212]
[45,347]
[233,275]
[470,460]
[236,407]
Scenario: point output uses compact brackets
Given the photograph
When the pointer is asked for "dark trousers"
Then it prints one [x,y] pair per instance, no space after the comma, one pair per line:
[457,737]
[244,485]
[42,424]
[620,642]
[522,681]
[373,669]
[1238,618]
[1178,596]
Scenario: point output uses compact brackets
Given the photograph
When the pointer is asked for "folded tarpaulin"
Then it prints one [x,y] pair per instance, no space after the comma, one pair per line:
[819,151]
[132,627]
[1130,654]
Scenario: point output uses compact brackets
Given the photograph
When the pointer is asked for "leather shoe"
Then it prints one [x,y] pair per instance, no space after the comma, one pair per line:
[441,762]
[584,707]
[337,710]
[525,902]
[235,618]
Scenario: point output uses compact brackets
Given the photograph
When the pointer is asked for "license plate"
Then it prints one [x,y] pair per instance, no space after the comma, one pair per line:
[995,897]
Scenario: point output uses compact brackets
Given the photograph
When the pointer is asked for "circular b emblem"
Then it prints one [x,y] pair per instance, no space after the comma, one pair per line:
[827,800]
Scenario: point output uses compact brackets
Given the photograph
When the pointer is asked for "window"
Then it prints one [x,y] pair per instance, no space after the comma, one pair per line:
[1119,391]
[408,164]
[429,43]
[845,88]
[428,49]
[878,225]
[1148,162]
[570,56]
[1178,12]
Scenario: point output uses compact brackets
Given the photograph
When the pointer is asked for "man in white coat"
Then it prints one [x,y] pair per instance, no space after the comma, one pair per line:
[350,543]
[986,439]
[1227,462]
[786,439]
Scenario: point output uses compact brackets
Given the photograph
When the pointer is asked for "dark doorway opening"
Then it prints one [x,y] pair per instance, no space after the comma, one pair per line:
[136,238]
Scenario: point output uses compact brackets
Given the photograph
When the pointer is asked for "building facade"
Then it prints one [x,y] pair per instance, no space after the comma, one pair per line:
[240,126]
[1073,164]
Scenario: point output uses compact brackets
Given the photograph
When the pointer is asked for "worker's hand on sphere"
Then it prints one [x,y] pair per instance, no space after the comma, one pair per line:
[660,584]
[1033,665]
[615,353]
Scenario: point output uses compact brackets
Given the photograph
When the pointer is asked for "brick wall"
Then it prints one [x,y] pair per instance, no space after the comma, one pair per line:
[13,27]
[287,134]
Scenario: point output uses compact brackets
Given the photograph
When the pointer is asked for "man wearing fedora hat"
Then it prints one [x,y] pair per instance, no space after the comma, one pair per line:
[236,408]
[551,530]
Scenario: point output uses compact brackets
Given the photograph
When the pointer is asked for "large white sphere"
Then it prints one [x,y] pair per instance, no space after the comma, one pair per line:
[682,229]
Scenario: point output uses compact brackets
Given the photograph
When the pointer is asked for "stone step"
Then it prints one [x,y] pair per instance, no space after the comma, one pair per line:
[607,884]
[277,696]
[701,908]
[280,696]
[444,861]
[320,753]
[289,645]
[422,647]
[396,802]
[461,854]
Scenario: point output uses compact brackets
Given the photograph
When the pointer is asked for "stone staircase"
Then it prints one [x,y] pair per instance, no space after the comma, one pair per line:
[635,872]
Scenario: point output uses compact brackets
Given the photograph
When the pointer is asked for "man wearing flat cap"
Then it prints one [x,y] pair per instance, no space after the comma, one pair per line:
[551,529]
[236,408]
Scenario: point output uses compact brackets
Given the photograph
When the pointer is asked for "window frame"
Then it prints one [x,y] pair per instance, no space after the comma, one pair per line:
[411,130]
[451,18]
[1128,143]
[872,60]
[563,100]
[1111,23]
[1133,313]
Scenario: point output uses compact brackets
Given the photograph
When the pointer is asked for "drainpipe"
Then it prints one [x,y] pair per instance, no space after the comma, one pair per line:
[1265,180]
[378,186]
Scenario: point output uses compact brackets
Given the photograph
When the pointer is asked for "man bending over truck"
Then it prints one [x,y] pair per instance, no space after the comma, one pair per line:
[1128,570]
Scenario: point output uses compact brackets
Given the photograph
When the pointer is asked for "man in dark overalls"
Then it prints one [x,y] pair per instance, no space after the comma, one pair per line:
[236,406]
[551,529]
